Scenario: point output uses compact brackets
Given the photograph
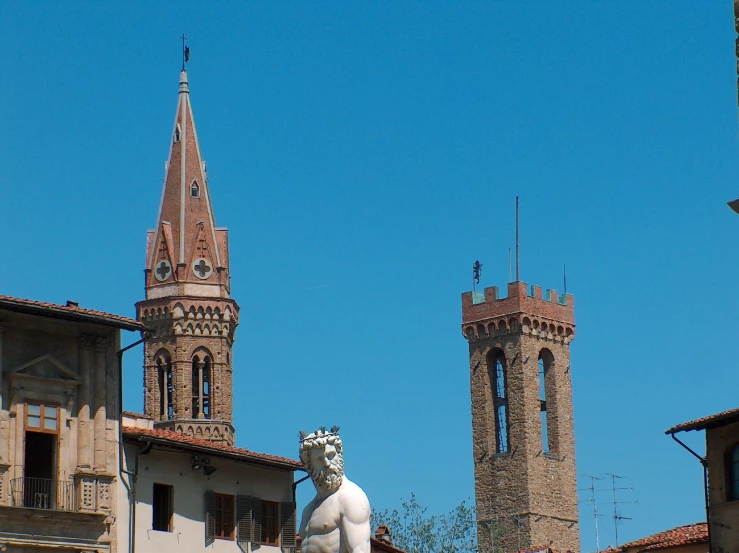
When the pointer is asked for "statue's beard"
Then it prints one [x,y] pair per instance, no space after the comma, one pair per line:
[328,478]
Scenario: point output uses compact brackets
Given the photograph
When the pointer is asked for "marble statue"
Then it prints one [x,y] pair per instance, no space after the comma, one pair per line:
[337,520]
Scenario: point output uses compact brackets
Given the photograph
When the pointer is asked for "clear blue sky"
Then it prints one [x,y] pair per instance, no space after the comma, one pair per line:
[363,157]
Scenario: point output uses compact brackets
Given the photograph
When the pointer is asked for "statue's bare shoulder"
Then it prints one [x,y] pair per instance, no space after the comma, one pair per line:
[354,503]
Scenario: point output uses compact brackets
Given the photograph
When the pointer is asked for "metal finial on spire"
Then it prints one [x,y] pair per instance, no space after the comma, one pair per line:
[185,51]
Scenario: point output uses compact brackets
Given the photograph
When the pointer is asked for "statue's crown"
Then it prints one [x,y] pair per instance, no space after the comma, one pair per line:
[320,433]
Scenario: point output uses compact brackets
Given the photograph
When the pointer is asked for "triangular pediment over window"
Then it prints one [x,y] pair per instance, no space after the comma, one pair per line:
[48,368]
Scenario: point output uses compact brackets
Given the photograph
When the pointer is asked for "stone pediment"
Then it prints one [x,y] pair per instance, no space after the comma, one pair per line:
[46,367]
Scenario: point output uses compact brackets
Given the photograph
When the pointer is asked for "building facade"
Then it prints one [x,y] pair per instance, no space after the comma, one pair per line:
[59,424]
[190,495]
[721,466]
[522,420]
[187,359]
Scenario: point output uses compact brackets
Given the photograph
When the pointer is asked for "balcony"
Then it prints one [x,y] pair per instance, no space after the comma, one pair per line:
[43,493]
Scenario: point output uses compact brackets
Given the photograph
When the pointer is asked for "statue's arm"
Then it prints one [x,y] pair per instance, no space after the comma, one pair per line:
[355,523]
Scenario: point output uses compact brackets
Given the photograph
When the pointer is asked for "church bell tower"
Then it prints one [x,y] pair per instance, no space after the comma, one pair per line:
[187,359]
[522,422]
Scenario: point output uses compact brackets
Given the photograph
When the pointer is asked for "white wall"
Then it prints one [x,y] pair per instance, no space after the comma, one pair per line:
[174,468]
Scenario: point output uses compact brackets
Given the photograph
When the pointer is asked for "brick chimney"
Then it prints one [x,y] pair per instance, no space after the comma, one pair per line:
[383,534]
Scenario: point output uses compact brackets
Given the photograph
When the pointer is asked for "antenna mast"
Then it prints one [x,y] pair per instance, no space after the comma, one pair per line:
[591,488]
[616,516]
[517,264]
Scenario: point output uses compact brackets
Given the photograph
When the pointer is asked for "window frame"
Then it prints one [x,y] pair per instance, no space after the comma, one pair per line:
[732,480]
[218,516]
[195,187]
[500,402]
[42,405]
[169,489]
[275,505]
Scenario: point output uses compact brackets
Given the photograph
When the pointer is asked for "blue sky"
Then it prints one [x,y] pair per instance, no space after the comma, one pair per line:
[363,156]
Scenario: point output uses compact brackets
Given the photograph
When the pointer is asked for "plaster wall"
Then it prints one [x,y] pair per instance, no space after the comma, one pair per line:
[724,513]
[188,527]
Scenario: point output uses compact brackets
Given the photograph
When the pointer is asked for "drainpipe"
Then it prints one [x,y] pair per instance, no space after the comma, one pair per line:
[295,485]
[705,488]
[128,477]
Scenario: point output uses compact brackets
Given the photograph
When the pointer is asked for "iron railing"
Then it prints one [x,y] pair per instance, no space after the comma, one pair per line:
[43,493]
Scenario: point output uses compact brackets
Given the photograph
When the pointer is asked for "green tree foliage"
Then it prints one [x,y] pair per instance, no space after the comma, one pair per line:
[415,531]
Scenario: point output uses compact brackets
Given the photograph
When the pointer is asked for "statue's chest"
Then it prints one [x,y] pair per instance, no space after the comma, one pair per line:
[326,517]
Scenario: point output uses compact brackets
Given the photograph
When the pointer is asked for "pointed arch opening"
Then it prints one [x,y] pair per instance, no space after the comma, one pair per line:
[546,397]
[195,189]
[202,375]
[166,385]
[497,373]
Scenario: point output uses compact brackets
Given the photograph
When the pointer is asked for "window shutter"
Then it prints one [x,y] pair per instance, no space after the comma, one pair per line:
[210,518]
[256,510]
[244,524]
[287,527]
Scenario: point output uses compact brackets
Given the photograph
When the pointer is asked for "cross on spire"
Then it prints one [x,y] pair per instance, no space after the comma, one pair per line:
[185,51]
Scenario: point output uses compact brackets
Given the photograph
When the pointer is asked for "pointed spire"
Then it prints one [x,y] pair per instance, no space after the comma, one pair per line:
[186,248]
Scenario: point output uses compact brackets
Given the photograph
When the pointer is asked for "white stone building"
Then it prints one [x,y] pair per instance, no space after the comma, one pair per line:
[192,495]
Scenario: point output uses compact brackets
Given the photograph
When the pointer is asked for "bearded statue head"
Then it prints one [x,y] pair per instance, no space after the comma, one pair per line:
[321,455]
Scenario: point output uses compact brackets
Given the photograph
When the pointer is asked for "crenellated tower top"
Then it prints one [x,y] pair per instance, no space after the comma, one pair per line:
[548,315]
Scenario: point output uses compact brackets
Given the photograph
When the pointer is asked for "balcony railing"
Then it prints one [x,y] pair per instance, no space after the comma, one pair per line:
[43,493]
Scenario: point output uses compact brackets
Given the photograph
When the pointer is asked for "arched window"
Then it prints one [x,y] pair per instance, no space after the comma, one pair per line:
[546,360]
[732,473]
[194,189]
[499,384]
[202,373]
[176,137]
[166,387]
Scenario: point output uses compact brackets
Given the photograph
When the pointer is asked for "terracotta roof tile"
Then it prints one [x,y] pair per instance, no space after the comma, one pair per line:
[183,440]
[719,419]
[382,546]
[537,549]
[134,415]
[682,535]
[69,312]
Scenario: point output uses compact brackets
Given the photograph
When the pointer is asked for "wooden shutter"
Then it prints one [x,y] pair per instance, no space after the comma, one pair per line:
[287,527]
[210,518]
[244,524]
[256,510]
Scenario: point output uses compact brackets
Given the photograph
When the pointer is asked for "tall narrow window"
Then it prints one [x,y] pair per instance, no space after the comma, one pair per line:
[548,402]
[202,373]
[194,189]
[176,137]
[166,387]
[732,474]
[195,387]
[162,507]
[224,516]
[543,405]
[205,387]
[270,524]
[500,401]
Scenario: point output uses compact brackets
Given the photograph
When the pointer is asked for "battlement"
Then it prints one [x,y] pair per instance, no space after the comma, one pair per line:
[550,312]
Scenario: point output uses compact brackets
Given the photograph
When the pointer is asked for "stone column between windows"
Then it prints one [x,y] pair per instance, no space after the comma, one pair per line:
[84,430]
[100,376]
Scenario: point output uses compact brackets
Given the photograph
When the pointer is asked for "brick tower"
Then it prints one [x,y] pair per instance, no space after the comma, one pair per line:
[522,425]
[187,361]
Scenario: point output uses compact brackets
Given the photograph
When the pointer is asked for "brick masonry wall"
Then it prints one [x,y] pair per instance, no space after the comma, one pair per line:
[532,493]
[182,328]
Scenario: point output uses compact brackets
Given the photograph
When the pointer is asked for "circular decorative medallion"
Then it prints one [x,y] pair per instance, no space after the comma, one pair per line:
[163,270]
[202,268]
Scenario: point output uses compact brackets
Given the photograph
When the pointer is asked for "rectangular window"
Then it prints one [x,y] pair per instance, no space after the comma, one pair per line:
[224,516]
[162,506]
[270,523]
[41,417]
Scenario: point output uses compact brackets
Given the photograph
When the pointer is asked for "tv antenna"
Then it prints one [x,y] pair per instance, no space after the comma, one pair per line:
[517,264]
[616,517]
[592,491]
